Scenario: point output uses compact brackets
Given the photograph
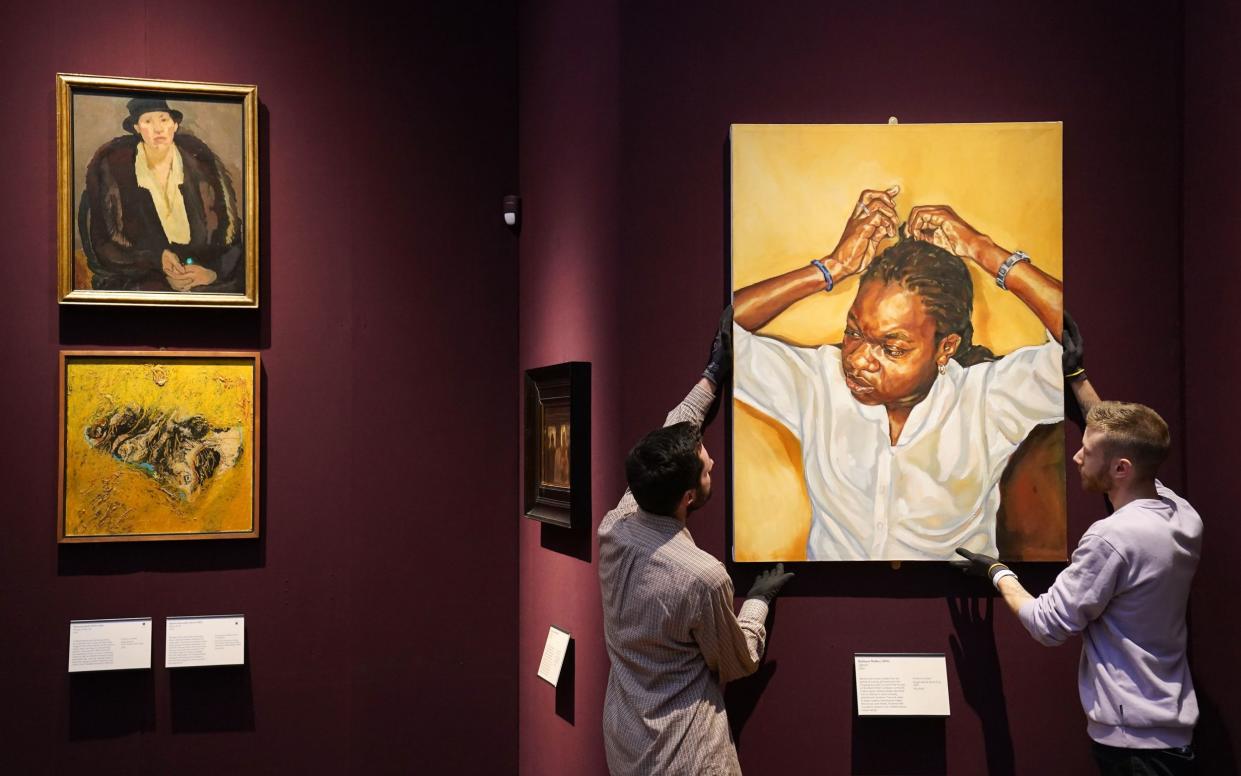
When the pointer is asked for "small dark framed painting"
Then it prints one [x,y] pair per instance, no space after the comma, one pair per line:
[557,443]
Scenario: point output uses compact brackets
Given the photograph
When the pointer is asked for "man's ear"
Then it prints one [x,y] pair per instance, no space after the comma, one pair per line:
[687,498]
[1122,468]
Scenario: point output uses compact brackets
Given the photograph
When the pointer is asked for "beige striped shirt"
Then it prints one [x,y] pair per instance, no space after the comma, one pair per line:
[672,638]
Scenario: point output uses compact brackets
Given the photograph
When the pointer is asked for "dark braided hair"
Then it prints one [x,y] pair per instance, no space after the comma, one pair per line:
[943,281]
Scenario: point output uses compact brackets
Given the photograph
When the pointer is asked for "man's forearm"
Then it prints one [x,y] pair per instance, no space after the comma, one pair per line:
[1085,394]
[1014,594]
[694,406]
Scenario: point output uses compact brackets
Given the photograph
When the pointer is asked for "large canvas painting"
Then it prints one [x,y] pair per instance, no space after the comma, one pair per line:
[158,192]
[158,445]
[897,294]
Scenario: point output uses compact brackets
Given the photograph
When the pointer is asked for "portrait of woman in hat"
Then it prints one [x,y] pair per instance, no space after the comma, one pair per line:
[160,211]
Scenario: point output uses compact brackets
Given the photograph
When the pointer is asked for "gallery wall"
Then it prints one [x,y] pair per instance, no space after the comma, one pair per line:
[572,309]
[675,77]
[1212,378]
[380,603]
[386,596]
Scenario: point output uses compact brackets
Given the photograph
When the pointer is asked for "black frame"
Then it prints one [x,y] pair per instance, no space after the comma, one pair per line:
[567,383]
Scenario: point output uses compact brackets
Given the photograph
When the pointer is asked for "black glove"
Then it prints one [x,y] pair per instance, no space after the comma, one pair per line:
[978,565]
[768,584]
[1074,357]
[720,365]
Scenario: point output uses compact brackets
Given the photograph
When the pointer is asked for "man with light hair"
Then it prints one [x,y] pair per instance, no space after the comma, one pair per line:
[1125,590]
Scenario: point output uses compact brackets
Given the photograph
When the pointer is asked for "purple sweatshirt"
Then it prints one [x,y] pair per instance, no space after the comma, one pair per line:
[1125,591]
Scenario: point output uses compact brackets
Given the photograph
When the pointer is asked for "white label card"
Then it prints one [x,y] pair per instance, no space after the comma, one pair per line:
[553,655]
[109,645]
[901,685]
[217,640]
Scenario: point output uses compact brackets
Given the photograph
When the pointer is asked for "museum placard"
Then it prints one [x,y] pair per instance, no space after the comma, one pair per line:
[109,645]
[901,685]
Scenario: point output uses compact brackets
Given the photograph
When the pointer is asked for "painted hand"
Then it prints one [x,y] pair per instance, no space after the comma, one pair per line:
[192,276]
[942,227]
[873,220]
[171,265]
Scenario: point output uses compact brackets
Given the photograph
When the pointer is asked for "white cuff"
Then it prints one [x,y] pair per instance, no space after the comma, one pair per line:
[1001,574]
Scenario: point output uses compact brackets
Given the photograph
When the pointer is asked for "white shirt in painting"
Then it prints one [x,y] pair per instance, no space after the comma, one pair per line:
[169,202]
[937,488]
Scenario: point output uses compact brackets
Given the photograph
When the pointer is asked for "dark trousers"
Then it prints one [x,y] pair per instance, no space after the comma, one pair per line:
[1114,761]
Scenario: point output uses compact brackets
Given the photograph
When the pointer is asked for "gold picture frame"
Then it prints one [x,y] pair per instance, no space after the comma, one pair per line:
[137,225]
[158,445]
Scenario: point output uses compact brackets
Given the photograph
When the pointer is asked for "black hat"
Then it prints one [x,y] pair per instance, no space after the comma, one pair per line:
[139,105]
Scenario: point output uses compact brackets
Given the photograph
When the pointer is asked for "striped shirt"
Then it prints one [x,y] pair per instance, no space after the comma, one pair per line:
[673,640]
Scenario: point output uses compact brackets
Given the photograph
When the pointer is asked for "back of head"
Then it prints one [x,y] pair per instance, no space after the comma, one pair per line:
[1132,431]
[663,465]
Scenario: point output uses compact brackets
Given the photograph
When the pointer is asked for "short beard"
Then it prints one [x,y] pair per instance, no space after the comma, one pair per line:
[701,497]
[1096,484]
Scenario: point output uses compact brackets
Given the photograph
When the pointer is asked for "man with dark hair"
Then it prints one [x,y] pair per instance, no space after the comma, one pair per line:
[668,620]
[1126,589]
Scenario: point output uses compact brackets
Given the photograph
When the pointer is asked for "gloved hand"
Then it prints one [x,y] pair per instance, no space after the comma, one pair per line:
[1074,356]
[768,584]
[978,565]
[720,364]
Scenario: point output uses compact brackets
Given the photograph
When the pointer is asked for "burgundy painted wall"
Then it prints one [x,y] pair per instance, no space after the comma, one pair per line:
[571,307]
[686,71]
[1212,378]
[380,601]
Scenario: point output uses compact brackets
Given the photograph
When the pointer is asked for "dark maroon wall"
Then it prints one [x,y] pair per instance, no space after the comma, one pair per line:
[686,71]
[570,308]
[1212,379]
[380,601]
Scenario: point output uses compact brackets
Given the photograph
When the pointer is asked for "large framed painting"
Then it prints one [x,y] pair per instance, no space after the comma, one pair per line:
[898,299]
[158,445]
[557,444]
[157,192]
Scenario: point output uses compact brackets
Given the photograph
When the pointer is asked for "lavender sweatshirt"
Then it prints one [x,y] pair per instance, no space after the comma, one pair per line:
[1125,591]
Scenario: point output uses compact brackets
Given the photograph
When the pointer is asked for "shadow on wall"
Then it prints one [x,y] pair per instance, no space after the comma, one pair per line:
[978,671]
[566,686]
[922,749]
[877,579]
[574,541]
[741,697]
[211,700]
[110,704]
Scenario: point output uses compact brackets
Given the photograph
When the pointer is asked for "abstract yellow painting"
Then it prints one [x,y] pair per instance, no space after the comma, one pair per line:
[897,294]
[158,445]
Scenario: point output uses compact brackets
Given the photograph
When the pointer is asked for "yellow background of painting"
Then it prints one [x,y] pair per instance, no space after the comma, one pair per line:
[794,186]
[221,390]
